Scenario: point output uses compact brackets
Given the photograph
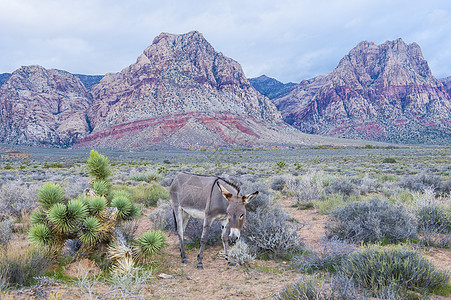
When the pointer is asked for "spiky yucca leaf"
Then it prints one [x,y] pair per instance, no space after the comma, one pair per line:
[61,220]
[91,226]
[77,210]
[40,234]
[38,217]
[150,243]
[98,166]
[123,205]
[96,204]
[50,194]
[101,187]
[122,257]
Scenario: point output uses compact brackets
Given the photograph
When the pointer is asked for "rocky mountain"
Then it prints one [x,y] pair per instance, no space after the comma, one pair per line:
[180,91]
[43,107]
[378,92]
[271,87]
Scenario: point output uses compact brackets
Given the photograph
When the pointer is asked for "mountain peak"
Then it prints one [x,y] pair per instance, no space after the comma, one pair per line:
[379,92]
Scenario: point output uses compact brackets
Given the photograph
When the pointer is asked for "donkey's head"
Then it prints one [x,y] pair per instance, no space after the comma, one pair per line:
[236,211]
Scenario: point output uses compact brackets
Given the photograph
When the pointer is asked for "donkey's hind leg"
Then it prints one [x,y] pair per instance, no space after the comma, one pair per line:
[181,219]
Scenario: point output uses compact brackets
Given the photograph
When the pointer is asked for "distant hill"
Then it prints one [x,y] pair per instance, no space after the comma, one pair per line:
[377,92]
[271,87]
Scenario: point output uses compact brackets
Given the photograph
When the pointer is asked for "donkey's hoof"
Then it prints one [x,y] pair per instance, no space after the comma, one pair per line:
[231,263]
[200,266]
[184,261]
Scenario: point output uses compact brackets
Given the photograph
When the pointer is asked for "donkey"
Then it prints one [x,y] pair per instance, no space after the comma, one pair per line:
[208,198]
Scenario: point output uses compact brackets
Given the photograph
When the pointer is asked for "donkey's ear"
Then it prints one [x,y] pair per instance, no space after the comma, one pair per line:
[224,191]
[247,198]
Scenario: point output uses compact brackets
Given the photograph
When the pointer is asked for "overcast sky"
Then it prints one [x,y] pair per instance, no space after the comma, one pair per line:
[286,39]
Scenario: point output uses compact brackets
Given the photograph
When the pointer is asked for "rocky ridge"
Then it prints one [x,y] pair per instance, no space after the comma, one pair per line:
[271,87]
[384,93]
[43,107]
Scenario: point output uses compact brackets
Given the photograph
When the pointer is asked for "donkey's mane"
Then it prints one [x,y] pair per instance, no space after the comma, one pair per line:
[232,184]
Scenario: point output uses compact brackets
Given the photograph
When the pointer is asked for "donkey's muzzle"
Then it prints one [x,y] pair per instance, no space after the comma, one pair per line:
[234,235]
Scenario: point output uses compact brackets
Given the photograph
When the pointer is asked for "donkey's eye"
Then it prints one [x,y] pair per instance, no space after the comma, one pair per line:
[242,216]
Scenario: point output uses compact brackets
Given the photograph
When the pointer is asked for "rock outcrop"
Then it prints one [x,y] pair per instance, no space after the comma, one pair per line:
[43,107]
[383,93]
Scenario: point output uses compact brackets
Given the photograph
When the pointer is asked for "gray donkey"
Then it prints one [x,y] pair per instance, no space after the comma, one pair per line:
[208,198]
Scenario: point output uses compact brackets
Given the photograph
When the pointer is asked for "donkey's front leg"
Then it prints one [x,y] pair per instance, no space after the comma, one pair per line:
[203,242]
[225,240]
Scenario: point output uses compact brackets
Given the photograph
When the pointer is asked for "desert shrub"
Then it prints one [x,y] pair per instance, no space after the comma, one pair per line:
[241,254]
[445,187]
[148,194]
[278,183]
[194,228]
[328,257]
[302,289]
[375,267]
[366,185]
[262,200]
[147,177]
[370,221]
[421,182]
[126,285]
[75,185]
[20,269]
[17,198]
[434,218]
[340,288]
[271,233]
[389,160]
[5,234]
[341,186]
[162,217]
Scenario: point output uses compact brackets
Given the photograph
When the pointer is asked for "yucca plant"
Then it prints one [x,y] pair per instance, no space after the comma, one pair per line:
[98,166]
[49,195]
[150,243]
[101,187]
[91,220]
[124,257]
[96,205]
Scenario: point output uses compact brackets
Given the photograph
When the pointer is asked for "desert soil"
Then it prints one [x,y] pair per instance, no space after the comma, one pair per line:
[262,280]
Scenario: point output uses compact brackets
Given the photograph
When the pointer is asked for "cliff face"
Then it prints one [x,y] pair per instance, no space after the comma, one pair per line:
[43,107]
[177,74]
[384,93]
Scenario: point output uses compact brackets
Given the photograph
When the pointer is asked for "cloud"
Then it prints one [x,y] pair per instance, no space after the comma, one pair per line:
[289,39]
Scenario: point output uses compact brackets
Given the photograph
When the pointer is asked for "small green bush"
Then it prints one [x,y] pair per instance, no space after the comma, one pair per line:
[376,267]
[389,160]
